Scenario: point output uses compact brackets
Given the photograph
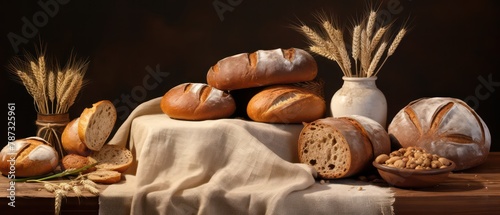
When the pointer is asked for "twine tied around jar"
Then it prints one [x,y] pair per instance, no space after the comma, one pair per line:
[50,127]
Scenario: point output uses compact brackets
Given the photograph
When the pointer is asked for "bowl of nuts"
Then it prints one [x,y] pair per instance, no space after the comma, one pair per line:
[413,167]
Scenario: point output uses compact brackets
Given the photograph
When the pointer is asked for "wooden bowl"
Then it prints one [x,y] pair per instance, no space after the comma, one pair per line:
[410,178]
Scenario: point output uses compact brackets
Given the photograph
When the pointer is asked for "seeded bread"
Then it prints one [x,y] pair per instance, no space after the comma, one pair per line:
[112,157]
[105,176]
[96,123]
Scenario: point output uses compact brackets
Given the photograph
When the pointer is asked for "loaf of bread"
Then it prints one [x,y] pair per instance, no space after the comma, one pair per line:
[70,140]
[444,126]
[113,157]
[262,68]
[28,157]
[197,101]
[286,104]
[90,130]
[96,123]
[341,147]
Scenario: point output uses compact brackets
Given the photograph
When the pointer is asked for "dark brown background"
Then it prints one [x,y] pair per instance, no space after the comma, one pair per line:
[451,46]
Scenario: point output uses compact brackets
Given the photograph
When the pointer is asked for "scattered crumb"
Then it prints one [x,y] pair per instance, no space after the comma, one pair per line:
[322,182]
[360,188]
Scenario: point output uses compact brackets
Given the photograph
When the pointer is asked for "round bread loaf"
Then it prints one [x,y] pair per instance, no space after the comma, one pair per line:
[444,126]
[197,101]
[70,140]
[96,123]
[286,104]
[341,147]
[28,157]
[262,68]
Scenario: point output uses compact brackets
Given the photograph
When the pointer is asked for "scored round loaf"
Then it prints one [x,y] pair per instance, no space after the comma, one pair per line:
[96,123]
[286,104]
[32,156]
[444,126]
[337,147]
[197,101]
[262,68]
[70,140]
[113,157]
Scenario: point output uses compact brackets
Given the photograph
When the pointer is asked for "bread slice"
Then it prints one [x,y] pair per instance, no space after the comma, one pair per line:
[335,147]
[112,157]
[105,176]
[96,123]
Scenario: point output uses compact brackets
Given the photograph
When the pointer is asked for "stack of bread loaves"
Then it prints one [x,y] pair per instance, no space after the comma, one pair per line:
[274,74]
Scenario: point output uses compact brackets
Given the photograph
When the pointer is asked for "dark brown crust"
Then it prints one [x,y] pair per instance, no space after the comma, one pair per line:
[286,104]
[197,101]
[256,69]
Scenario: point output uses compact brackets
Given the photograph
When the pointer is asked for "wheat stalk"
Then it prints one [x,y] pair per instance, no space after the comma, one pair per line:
[52,94]
[369,44]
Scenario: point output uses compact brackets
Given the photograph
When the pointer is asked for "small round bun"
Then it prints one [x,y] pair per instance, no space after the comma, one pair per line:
[197,101]
[33,156]
[75,161]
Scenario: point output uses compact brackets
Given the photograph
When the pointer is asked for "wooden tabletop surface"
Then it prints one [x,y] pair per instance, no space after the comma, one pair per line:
[473,191]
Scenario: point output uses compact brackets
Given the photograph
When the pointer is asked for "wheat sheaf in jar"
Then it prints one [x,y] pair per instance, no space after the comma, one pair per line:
[413,158]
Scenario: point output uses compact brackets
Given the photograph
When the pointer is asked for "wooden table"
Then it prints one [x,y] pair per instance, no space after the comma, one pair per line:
[474,191]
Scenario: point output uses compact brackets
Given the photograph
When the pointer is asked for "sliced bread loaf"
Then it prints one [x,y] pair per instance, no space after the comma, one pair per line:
[112,157]
[96,123]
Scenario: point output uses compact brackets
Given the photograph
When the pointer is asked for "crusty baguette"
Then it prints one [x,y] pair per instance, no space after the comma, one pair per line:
[286,104]
[70,140]
[112,157]
[197,101]
[262,68]
[105,176]
[96,123]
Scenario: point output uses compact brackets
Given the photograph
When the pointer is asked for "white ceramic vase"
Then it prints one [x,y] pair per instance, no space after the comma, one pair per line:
[360,96]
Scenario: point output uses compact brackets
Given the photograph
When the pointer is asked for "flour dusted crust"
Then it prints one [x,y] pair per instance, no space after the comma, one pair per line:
[286,104]
[262,68]
[96,123]
[378,136]
[444,126]
[197,101]
[335,147]
[33,157]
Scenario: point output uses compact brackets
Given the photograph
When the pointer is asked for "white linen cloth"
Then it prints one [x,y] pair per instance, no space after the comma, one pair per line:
[226,166]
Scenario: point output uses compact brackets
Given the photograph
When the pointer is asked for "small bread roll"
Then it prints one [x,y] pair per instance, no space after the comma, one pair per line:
[32,156]
[197,101]
[286,104]
[75,161]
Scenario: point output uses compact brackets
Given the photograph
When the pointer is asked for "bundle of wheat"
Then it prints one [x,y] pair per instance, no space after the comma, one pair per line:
[369,44]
